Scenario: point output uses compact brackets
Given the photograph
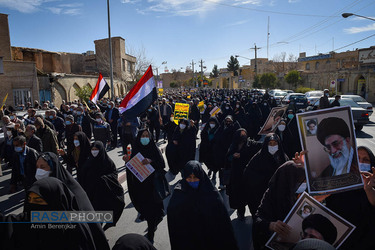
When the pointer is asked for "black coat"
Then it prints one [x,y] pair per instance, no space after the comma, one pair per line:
[186,146]
[277,201]
[143,194]
[85,123]
[209,139]
[59,127]
[29,166]
[237,167]
[115,116]
[100,181]
[36,143]
[198,219]
[259,171]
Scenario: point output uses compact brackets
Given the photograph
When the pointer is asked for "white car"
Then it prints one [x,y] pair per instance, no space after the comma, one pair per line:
[361,102]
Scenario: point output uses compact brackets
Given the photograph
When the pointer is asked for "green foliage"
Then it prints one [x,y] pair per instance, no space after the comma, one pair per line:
[233,65]
[256,83]
[293,77]
[215,72]
[268,80]
[84,93]
[173,85]
[302,89]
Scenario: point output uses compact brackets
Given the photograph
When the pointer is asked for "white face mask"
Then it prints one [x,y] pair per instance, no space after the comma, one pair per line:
[212,125]
[172,119]
[182,126]
[281,128]
[41,173]
[76,143]
[9,133]
[98,119]
[273,149]
[237,106]
[365,167]
[95,153]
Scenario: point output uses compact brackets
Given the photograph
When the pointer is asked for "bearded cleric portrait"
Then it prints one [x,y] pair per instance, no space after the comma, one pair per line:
[331,159]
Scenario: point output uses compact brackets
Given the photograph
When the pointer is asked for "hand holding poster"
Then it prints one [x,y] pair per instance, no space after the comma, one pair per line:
[310,217]
[331,161]
[181,110]
[138,169]
[215,111]
[273,120]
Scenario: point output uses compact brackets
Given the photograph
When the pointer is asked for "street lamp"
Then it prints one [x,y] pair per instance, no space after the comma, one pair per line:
[345,15]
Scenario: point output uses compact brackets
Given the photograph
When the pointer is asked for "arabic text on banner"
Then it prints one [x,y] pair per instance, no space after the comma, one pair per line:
[138,169]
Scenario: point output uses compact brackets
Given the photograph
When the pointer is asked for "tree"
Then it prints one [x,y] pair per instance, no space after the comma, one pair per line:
[84,93]
[293,77]
[256,83]
[215,72]
[268,80]
[233,65]
[141,65]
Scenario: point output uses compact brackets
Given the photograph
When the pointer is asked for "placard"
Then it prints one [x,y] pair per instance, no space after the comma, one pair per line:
[181,110]
[273,120]
[138,169]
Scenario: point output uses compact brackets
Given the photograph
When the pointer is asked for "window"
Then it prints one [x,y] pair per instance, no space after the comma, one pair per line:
[307,66]
[316,65]
[123,65]
[130,68]
[1,66]
[21,96]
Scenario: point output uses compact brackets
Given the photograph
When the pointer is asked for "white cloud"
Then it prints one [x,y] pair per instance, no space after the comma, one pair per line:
[235,23]
[24,6]
[293,1]
[355,30]
[243,2]
[55,10]
[72,12]
[71,5]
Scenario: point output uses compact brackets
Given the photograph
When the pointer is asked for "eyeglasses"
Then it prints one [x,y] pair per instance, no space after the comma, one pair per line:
[305,235]
[334,144]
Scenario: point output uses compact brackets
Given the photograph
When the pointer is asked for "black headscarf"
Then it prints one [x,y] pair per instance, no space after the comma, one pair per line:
[372,157]
[133,242]
[84,145]
[279,156]
[84,204]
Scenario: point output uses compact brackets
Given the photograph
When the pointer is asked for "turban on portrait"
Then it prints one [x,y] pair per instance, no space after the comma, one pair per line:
[321,224]
[332,126]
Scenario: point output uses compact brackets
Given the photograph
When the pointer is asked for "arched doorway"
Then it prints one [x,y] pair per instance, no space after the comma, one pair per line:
[361,87]
[72,92]
[58,94]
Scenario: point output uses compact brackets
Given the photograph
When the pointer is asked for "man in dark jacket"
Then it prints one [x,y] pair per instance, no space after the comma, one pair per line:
[82,120]
[23,164]
[47,136]
[112,114]
[59,124]
[323,101]
[33,141]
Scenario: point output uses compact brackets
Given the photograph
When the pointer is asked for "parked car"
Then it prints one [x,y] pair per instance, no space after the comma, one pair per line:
[360,115]
[278,95]
[361,102]
[313,96]
[272,91]
[298,100]
[289,91]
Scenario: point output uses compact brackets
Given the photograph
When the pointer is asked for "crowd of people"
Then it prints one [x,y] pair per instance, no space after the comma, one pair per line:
[59,156]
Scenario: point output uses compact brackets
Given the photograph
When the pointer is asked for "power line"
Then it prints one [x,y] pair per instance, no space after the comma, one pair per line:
[355,42]
[265,11]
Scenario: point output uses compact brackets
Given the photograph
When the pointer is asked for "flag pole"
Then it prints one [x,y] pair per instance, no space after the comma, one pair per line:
[156,87]
[110,52]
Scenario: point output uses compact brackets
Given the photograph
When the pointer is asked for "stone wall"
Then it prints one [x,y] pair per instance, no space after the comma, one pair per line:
[5,51]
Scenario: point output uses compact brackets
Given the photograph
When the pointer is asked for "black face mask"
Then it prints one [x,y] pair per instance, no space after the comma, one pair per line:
[35,207]
[243,138]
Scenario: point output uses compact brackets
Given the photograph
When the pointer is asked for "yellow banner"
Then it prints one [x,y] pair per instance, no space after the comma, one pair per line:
[201,106]
[161,91]
[181,110]
[215,111]
[5,99]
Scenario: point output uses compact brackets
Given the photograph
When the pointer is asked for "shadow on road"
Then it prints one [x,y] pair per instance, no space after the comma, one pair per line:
[361,134]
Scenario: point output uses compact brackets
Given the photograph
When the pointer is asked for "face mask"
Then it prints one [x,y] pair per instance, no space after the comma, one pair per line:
[79,113]
[172,119]
[194,184]
[11,117]
[237,106]
[212,125]
[109,106]
[18,149]
[50,117]
[182,126]
[41,173]
[95,153]
[9,133]
[68,122]
[227,108]
[265,104]
[98,120]
[290,116]
[327,95]
[273,149]
[145,141]
[281,128]
[149,110]
[365,167]
[76,143]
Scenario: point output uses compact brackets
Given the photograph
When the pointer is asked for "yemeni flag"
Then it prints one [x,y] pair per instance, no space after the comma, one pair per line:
[140,97]
[101,88]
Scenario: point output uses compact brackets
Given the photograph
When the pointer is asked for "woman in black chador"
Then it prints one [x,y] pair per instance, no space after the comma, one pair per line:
[197,217]
[144,194]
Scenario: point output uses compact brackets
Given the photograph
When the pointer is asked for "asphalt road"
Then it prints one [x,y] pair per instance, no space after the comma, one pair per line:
[128,222]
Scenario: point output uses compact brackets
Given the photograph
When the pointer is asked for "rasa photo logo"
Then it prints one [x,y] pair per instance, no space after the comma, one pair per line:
[71,217]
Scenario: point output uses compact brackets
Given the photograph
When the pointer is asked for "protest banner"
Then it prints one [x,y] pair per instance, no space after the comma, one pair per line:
[334,229]
[138,169]
[181,110]
[4,100]
[161,91]
[201,106]
[331,161]
[273,120]
[215,111]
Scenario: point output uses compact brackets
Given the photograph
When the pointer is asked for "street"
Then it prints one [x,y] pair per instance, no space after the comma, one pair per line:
[128,222]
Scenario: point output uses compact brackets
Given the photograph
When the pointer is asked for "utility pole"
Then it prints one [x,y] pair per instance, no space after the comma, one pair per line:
[268,36]
[192,65]
[110,52]
[202,72]
[255,65]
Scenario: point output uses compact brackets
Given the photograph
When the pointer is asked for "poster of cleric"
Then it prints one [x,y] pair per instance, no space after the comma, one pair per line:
[331,161]
[273,120]
[310,219]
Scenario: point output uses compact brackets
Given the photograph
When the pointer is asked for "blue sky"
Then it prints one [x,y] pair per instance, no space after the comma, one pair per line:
[179,31]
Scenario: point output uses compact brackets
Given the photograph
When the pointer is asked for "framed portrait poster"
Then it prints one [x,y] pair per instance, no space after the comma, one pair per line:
[273,120]
[331,161]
